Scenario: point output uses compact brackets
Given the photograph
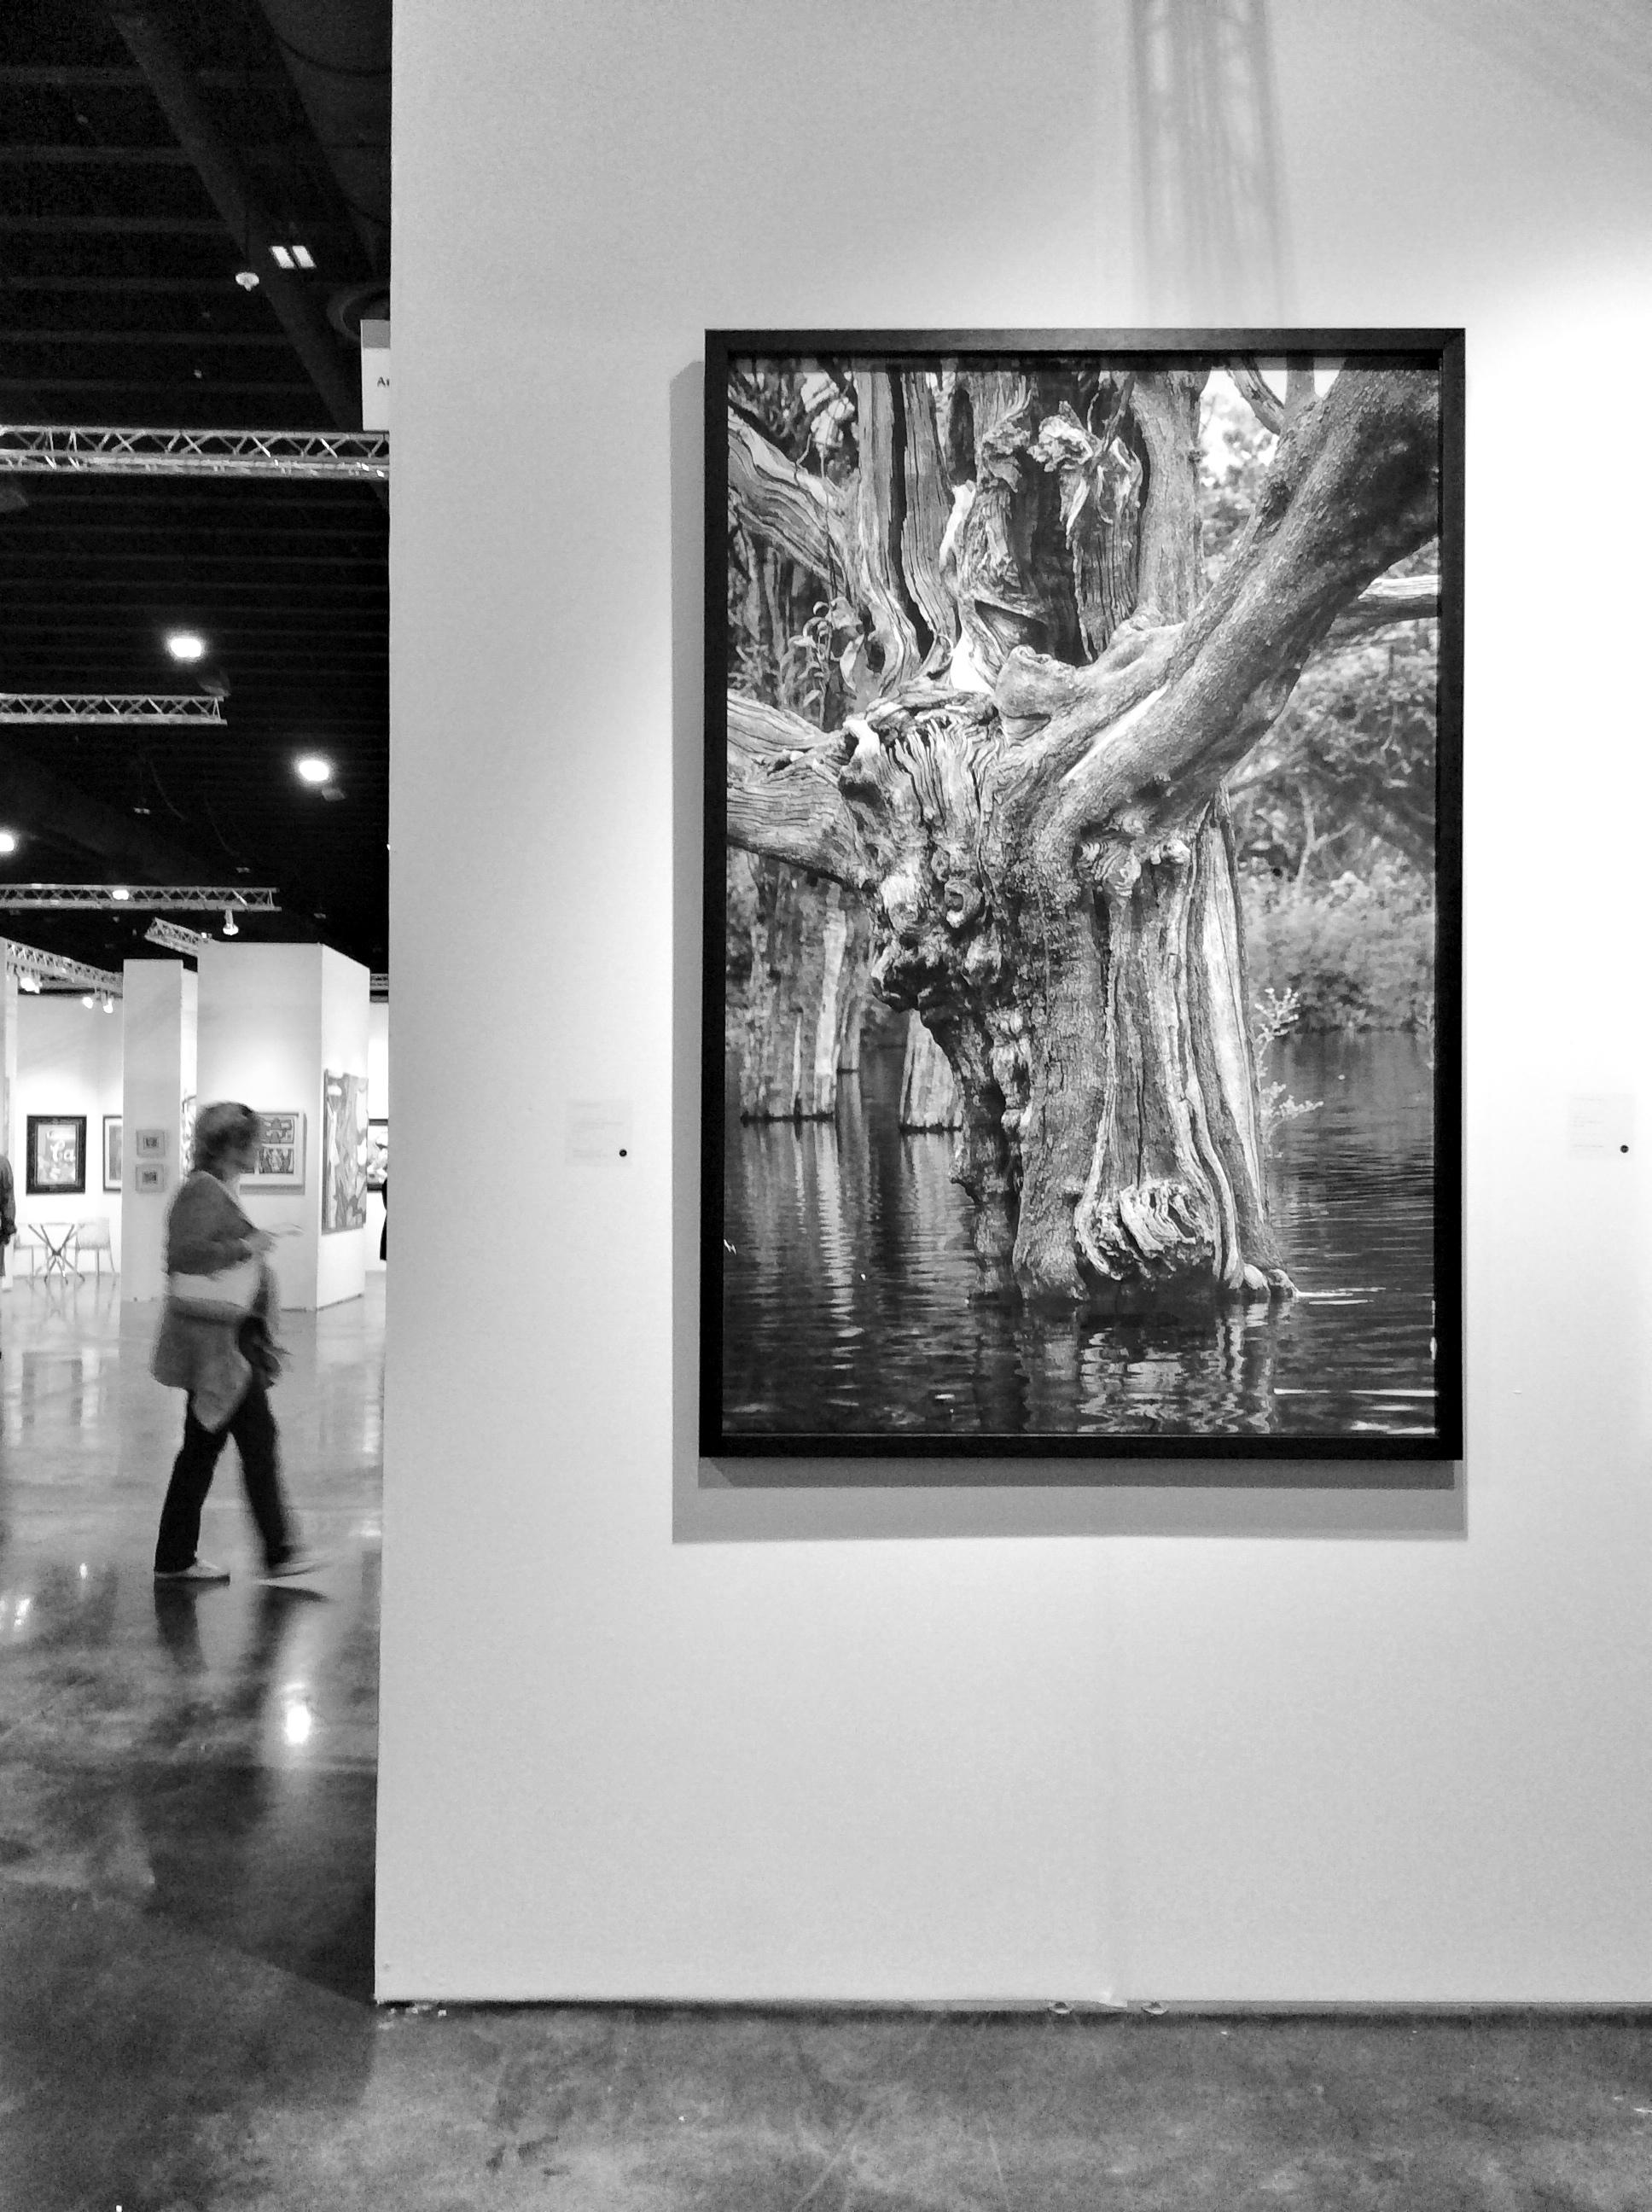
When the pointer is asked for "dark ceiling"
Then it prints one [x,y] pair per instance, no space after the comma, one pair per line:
[148,155]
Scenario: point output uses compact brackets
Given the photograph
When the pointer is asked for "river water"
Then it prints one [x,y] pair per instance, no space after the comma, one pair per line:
[848,1273]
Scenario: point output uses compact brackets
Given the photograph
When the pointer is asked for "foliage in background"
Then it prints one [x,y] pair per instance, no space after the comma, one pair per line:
[1334,814]
[1356,952]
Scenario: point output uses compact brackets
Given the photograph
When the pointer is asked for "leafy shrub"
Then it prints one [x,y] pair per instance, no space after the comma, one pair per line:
[1357,953]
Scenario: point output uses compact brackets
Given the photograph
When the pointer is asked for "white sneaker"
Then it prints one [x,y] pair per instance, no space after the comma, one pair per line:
[198,1571]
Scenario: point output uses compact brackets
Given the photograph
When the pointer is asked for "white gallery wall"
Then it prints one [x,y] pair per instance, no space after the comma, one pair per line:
[273,1019]
[379,1111]
[68,1063]
[1210,1748]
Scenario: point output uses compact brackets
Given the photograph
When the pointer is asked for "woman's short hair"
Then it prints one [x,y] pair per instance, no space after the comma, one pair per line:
[222,1129]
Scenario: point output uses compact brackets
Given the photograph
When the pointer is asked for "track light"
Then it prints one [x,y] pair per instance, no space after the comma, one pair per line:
[120,891]
[247,279]
[230,929]
[313,768]
[8,841]
[186,645]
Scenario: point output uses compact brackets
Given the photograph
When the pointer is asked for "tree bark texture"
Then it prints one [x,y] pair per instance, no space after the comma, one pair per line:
[1028,797]
[929,1089]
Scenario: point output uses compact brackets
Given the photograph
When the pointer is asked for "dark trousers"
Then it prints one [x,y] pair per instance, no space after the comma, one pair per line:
[253,1427]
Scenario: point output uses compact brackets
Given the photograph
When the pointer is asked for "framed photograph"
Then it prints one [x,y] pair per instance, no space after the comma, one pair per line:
[1083,830]
[149,1144]
[149,1177]
[111,1176]
[377,1153]
[56,1154]
[281,1154]
[343,1153]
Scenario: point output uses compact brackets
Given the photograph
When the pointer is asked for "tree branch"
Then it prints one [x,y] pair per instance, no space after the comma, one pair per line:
[1258,394]
[783,801]
[1354,487]
[1390,599]
[781,502]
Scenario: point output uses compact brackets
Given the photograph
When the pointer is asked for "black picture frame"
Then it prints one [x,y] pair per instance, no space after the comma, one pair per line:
[1393,1443]
[113,1151]
[55,1164]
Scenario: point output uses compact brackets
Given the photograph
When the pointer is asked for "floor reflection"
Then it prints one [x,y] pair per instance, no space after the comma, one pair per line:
[206,1755]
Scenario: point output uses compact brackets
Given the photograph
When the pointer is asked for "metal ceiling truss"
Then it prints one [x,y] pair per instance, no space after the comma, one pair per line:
[111,898]
[57,969]
[72,449]
[37,709]
[175,936]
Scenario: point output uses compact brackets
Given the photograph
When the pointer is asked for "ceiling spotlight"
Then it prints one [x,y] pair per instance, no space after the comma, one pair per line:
[315,768]
[89,1001]
[108,1002]
[292,257]
[247,279]
[119,892]
[30,984]
[186,645]
[8,841]
[230,929]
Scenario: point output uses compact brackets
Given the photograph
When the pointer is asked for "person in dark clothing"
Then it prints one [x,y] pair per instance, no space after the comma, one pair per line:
[217,1343]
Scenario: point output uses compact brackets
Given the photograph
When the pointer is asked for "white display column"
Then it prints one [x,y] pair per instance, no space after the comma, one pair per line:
[283,1029]
[7,1055]
[157,1007]
[8,1079]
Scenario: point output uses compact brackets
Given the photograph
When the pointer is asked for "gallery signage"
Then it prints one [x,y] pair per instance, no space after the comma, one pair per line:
[1081,1059]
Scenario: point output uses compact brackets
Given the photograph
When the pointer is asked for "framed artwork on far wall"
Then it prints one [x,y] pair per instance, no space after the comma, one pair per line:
[112,1152]
[281,1154]
[343,1153]
[1082,1049]
[56,1154]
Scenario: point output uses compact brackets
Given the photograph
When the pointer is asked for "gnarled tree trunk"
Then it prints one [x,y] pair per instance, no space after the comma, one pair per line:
[1043,836]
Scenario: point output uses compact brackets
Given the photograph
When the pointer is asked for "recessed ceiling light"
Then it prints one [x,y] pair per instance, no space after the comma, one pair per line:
[186,645]
[313,769]
[8,841]
[247,279]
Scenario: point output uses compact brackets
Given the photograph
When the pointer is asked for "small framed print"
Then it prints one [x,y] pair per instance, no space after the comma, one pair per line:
[57,1153]
[150,1176]
[112,1152]
[280,1164]
[149,1144]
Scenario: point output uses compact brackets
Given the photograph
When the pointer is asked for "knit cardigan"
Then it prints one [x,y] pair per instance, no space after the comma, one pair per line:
[207,1233]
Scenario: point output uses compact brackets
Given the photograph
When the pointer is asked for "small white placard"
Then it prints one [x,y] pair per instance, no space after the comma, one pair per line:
[599,1128]
[1599,1124]
[375,376]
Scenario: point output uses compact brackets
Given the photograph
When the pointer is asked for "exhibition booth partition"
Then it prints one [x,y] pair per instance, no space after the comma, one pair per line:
[103,1096]
[658,1724]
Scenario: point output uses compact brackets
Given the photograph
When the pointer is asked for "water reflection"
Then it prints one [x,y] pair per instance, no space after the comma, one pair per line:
[848,1286]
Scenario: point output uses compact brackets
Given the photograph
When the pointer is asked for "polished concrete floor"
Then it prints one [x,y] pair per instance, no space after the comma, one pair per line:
[186,1805]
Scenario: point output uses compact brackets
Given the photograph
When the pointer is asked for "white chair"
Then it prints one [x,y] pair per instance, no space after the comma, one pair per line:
[94,1236]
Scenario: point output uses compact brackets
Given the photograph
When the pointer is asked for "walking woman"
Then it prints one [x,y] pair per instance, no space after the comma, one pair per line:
[217,1343]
